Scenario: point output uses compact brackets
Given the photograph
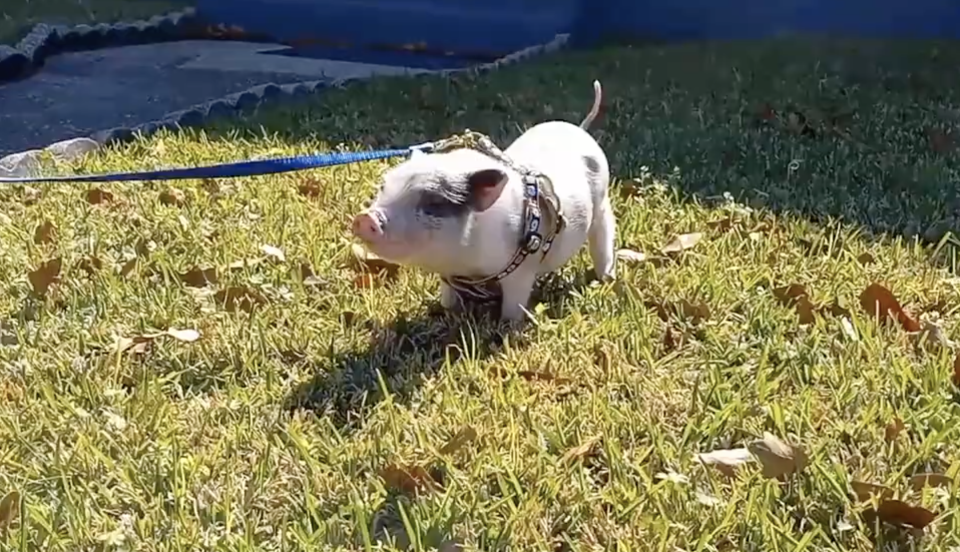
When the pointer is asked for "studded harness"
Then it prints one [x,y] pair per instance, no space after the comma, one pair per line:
[539,199]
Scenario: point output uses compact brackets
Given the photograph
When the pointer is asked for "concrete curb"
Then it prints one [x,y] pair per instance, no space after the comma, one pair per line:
[27,163]
[44,41]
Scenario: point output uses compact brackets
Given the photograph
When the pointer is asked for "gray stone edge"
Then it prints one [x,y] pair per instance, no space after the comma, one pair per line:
[27,163]
[44,41]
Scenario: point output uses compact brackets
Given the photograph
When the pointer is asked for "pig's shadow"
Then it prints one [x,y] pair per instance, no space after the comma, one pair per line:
[399,357]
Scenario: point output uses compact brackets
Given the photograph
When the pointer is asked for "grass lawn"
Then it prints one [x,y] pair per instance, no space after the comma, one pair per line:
[17,17]
[325,408]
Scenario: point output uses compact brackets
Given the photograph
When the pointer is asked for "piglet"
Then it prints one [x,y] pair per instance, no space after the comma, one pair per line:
[461,213]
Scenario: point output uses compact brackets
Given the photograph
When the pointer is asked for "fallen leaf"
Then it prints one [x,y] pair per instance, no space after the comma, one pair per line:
[9,509]
[866,258]
[940,141]
[879,301]
[581,450]
[128,267]
[777,458]
[45,233]
[866,491]
[630,256]
[408,479]
[899,513]
[275,253]
[629,189]
[682,243]
[45,275]
[696,312]
[199,277]
[90,264]
[97,196]
[956,370]
[309,188]
[172,197]
[893,429]
[240,297]
[726,460]
[186,336]
[921,480]
[796,295]
[459,440]
[370,261]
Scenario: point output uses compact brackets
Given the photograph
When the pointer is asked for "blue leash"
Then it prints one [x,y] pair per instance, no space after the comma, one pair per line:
[229,170]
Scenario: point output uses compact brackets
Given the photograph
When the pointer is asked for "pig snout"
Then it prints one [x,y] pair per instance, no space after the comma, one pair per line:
[368,226]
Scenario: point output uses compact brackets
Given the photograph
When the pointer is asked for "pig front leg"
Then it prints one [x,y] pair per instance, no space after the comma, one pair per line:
[449,298]
[516,288]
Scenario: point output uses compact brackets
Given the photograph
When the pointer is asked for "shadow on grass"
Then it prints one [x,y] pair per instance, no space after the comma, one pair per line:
[398,358]
[867,132]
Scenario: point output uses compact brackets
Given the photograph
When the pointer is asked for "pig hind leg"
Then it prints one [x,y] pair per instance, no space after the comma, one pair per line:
[603,231]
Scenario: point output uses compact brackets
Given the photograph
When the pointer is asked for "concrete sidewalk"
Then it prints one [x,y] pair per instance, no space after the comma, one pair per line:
[77,94]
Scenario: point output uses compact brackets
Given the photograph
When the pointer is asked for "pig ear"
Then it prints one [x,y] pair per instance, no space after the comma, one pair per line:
[485,188]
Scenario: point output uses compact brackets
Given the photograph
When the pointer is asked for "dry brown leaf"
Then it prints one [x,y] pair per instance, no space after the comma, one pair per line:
[629,189]
[97,196]
[630,256]
[128,267]
[921,480]
[240,298]
[581,450]
[865,491]
[9,509]
[893,429]
[682,243]
[727,460]
[940,141]
[777,458]
[310,187]
[408,479]
[899,513]
[46,232]
[186,336]
[172,197]
[90,264]
[797,296]
[370,261]
[879,301]
[45,275]
[866,258]
[956,370]
[458,441]
[199,277]
[696,312]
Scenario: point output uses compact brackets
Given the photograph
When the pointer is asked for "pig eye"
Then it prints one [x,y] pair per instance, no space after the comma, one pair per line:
[436,206]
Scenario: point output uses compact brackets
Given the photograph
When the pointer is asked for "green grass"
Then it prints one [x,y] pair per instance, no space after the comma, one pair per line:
[17,17]
[272,431]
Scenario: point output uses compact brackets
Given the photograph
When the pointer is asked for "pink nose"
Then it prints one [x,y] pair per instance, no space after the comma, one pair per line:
[367,227]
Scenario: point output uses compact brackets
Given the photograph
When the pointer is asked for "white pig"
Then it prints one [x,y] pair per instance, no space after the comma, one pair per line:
[461,213]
